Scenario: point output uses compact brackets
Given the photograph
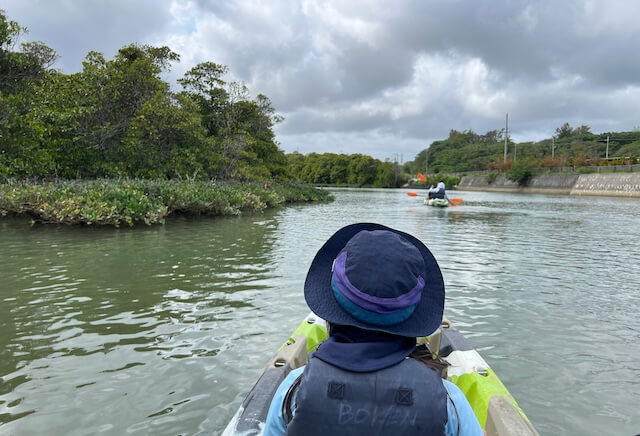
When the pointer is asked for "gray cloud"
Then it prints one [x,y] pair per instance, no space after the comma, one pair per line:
[74,28]
[385,77]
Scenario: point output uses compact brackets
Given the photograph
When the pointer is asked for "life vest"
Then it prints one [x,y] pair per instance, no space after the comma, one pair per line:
[405,399]
[438,194]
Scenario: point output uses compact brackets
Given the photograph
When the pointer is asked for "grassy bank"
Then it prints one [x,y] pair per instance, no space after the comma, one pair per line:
[132,201]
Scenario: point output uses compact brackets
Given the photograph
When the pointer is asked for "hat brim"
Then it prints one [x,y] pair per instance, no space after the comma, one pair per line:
[424,320]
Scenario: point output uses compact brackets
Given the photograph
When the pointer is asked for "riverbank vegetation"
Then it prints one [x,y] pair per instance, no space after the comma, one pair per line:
[119,118]
[576,147]
[345,170]
[115,144]
[132,201]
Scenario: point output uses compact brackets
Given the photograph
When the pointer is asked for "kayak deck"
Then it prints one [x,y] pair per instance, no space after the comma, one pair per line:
[496,409]
[436,202]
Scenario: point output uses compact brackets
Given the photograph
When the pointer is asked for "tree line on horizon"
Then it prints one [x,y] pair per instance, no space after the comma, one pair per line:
[470,151]
[345,170]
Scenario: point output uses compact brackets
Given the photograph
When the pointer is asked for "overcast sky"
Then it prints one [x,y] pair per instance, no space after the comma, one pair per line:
[383,77]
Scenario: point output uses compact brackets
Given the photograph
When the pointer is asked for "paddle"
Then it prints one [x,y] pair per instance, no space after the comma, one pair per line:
[422,177]
[453,202]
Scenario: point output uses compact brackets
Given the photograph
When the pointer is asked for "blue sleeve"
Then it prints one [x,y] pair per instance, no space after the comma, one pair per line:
[275,421]
[460,413]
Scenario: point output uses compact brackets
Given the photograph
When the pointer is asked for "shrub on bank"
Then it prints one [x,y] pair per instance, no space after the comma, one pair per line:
[118,202]
[585,170]
[500,165]
[520,172]
[449,181]
[491,177]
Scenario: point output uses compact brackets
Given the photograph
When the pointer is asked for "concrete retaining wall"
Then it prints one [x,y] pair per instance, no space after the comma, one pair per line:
[479,183]
[624,185]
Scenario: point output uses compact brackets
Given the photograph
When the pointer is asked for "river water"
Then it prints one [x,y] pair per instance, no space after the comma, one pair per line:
[163,330]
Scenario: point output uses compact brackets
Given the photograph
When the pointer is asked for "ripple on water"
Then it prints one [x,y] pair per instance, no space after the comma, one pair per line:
[163,330]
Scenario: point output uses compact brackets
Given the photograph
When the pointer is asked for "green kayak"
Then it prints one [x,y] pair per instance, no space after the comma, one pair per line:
[436,202]
[495,408]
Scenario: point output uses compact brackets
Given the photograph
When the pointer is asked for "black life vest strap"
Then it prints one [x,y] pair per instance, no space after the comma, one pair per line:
[287,410]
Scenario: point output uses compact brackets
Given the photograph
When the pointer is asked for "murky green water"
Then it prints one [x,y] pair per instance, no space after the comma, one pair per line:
[163,330]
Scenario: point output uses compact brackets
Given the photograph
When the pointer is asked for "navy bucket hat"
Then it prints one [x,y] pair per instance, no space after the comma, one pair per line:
[376,278]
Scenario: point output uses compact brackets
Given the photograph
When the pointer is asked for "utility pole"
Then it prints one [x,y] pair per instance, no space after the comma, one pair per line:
[506,135]
[607,147]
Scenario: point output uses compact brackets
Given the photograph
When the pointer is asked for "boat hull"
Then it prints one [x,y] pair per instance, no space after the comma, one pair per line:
[436,202]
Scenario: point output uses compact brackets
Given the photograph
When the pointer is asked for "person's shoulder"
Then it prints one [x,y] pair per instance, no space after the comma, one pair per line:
[461,415]
[275,425]
[454,391]
[292,376]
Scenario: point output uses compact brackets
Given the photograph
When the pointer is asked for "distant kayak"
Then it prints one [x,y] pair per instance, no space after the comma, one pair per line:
[436,202]
[495,408]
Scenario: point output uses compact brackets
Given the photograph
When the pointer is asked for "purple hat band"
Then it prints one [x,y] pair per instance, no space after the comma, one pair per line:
[369,302]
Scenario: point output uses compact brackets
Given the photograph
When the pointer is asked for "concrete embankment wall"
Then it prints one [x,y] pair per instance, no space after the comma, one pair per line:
[623,185]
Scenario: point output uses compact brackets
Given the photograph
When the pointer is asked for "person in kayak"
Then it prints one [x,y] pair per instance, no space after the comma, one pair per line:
[378,289]
[438,191]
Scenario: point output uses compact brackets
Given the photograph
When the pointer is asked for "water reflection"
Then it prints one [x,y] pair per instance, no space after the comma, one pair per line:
[96,318]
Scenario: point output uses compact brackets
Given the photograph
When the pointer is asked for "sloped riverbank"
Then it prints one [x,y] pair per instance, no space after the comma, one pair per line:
[131,201]
[618,185]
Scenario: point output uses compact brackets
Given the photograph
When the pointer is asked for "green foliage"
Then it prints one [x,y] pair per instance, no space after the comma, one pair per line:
[631,149]
[119,118]
[26,66]
[462,151]
[566,131]
[467,151]
[585,170]
[491,177]
[99,202]
[448,180]
[132,201]
[344,170]
[243,127]
[521,171]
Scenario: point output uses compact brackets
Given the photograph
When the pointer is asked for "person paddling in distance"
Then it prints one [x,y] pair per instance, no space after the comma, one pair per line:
[430,192]
[378,289]
[438,191]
